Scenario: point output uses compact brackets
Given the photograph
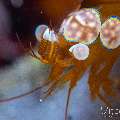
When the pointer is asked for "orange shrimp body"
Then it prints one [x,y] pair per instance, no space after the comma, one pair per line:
[101,60]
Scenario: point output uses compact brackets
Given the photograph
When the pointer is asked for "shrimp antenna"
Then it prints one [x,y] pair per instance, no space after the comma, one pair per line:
[67,103]
[24,94]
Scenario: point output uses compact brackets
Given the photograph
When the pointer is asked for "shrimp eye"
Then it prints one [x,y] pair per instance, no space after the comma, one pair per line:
[80,51]
[110,33]
[50,35]
[39,31]
[82,26]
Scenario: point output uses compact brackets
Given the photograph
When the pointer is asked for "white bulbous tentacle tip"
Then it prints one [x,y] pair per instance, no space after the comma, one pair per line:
[110,33]
[50,35]
[82,26]
[72,47]
[46,34]
[39,31]
[80,51]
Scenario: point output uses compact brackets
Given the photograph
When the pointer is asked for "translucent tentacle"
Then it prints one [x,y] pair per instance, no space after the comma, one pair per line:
[31,52]
[50,90]
[40,58]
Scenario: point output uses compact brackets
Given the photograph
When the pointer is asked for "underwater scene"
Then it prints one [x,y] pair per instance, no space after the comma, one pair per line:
[59,59]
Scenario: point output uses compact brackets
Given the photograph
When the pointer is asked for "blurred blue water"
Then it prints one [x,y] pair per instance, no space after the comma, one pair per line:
[30,108]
